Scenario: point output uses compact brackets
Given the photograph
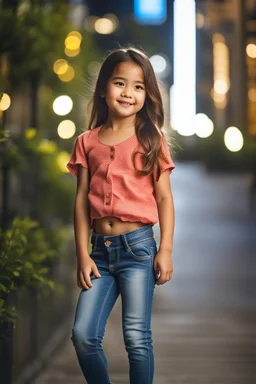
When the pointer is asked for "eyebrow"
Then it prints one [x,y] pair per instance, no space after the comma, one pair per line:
[123,78]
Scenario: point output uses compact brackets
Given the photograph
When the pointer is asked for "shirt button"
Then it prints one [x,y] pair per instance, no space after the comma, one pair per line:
[108,194]
[112,157]
[112,149]
[108,203]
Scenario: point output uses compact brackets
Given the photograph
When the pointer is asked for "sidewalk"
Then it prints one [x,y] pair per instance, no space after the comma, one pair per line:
[203,318]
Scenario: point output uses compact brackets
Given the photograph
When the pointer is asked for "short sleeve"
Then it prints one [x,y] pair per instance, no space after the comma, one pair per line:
[78,157]
[165,161]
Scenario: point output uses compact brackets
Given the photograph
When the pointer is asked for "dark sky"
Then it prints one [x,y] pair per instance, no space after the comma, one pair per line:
[100,7]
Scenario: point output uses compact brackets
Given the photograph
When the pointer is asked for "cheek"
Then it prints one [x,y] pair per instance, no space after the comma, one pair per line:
[142,99]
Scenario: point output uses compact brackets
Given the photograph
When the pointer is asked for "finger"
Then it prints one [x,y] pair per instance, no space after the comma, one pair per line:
[95,271]
[83,281]
[87,279]
[162,279]
[78,280]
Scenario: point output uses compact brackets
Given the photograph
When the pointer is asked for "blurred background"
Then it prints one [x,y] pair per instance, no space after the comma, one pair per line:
[204,55]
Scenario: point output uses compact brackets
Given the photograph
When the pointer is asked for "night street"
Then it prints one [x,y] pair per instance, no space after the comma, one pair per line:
[203,320]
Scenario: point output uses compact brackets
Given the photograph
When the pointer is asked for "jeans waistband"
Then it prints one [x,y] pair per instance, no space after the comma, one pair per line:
[124,239]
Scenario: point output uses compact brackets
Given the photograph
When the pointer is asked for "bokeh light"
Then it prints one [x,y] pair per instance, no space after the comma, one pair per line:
[30,133]
[5,102]
[251,50]
[200,20]
[47,147]
[112,18]
[72,42]
[221,86]
[66,129]
[104,26]
[159,63]
[68,75]
[60,66]
[62,105]
[76,34]
[252,95]
[62,160]
[233,139]
[204,126]
[220,100]
[72,52]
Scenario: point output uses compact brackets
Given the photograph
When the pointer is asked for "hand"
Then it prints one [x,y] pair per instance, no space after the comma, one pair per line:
[84,269]
[163,266]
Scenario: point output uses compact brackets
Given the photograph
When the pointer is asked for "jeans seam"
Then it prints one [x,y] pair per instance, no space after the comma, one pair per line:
[103,305]
[148,317]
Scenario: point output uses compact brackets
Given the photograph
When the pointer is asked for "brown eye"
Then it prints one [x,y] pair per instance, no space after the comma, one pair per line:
[120,83]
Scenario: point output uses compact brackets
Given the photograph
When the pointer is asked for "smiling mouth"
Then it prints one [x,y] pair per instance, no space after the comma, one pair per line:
[124,103]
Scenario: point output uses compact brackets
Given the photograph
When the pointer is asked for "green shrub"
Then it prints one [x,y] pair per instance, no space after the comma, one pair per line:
[25,252]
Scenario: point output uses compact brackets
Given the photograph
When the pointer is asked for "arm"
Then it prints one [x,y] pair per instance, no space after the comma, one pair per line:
[85,265]
[163,261]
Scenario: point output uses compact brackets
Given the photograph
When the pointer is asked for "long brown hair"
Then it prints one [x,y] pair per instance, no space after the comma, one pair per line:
[149,120]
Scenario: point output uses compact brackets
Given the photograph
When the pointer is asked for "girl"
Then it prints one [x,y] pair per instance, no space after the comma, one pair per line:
[122,166]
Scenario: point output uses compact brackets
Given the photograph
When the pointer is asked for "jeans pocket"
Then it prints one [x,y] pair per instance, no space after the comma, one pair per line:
[141,251]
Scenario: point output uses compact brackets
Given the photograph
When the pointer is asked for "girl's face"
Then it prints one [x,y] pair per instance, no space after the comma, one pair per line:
[125,92]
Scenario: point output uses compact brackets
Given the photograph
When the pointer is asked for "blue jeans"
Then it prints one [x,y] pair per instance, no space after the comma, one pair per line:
[125,263]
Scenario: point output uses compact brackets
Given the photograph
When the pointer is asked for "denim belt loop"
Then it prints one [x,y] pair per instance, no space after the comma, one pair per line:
[125,242]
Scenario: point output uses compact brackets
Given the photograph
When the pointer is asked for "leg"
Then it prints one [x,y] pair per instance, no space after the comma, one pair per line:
[137,287]
[93,309]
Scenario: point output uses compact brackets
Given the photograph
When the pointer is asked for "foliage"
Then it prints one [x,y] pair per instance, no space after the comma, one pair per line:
[24,155]
[30,41]
[25,251]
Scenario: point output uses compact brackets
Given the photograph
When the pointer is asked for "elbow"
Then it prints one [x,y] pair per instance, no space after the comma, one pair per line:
[163,199]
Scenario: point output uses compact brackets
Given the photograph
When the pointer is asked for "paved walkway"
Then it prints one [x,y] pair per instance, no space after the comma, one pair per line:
[203,324]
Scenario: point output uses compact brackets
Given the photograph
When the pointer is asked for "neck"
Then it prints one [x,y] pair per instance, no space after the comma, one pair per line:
[117,124]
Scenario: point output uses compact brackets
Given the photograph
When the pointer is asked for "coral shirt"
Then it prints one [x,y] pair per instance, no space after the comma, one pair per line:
[115,187]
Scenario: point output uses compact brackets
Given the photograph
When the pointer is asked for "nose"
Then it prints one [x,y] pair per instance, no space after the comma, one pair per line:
[126,92]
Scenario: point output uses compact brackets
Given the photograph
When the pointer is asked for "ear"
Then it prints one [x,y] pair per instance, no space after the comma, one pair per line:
[102,94]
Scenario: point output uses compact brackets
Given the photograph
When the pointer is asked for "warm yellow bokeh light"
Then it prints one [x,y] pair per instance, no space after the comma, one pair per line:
[5,102]
[62,105]
[60,66]
[104,26]
[233,139]
[72,42]
[66,129]
[221,86]
[112,18]
[30,133]
[220,100]
[47,146]
[77,34]
[218,38]
[72,52]
[252,95]
[68,75]
[251,51]
[200,20]
[62,160]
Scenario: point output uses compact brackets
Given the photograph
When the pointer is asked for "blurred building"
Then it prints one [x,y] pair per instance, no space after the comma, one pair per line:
[226,62]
